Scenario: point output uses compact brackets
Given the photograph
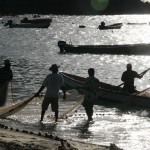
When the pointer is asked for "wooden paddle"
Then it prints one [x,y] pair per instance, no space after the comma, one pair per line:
[141,74]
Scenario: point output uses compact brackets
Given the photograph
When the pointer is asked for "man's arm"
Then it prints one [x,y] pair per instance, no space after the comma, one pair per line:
[39,91]
[138,75]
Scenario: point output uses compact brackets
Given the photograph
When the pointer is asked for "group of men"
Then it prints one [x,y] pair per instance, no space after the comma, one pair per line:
[54,81]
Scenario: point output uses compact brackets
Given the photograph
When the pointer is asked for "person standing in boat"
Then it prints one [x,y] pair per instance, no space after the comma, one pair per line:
[128,77]
[52,82]
[90,95]
[6,75]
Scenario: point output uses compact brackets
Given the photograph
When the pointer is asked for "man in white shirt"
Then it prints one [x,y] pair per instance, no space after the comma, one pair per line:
[52,82]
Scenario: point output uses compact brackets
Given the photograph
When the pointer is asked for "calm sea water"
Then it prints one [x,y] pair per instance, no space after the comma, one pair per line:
[32,51]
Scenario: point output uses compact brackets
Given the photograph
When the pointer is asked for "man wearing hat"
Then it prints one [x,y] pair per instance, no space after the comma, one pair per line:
[128,77]
[52,82]
[6,75]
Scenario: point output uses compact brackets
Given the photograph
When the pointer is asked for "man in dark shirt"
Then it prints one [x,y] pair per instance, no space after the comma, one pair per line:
[128,79]
[6,72]
[90,95]
[6,75]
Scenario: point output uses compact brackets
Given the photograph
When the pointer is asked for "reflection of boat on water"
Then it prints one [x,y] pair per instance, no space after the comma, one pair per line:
[37,20]
[102,26]
[27,25]
[126,49]
[110,93]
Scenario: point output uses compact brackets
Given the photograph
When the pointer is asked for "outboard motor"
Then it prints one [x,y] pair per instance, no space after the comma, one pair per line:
[61,45]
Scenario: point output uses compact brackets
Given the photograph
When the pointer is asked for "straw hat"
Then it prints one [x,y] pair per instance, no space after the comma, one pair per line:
[54,67]
[7,61]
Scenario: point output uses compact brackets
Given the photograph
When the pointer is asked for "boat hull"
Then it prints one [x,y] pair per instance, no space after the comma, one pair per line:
[130,49]
[109,93]
[35,21]
[30,25]
[108,27]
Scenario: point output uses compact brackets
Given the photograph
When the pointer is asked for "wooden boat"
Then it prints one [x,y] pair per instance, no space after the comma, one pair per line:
[102,26]
[37,20]
[27,25]
[127,49]
[110,93]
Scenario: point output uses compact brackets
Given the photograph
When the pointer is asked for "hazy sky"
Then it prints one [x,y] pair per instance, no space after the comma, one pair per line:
[145,1]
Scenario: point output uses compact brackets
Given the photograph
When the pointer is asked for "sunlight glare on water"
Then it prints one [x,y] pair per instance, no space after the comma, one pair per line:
[32,51]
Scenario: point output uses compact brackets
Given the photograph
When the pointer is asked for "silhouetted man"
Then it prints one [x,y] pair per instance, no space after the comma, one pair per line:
[52,82]
[128,78]
[6,75]
[90,96]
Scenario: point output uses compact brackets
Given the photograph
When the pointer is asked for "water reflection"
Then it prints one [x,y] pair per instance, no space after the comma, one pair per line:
[83,129]
[33,51]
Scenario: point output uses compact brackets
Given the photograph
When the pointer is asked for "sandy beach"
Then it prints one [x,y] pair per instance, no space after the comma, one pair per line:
[14,139]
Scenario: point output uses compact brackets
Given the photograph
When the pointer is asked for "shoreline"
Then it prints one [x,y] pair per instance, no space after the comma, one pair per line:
[24,140]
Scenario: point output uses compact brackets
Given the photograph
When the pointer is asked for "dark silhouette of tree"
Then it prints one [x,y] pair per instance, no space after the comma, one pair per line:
[72,7]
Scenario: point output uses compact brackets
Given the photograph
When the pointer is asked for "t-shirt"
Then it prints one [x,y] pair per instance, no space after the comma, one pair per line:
[53,82]
[91,86]
[128,77]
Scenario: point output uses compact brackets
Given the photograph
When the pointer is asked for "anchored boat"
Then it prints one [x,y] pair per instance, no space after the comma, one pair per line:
[27,25]
[127,49]
[37,20]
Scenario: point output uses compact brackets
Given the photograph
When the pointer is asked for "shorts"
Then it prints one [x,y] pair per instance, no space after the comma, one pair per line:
[52,101]
[87,104]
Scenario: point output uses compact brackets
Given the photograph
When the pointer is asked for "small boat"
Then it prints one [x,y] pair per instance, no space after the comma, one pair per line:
[37,20]
[102,26]
[27,25]
[82,26]
[126,49]
[109,93]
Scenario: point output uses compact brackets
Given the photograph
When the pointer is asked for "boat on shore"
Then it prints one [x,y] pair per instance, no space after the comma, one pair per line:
[36,20]
[27,25]
[110,93]
[126,49]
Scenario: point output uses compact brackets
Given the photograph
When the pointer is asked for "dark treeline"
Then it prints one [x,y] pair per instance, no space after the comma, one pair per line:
[72,7]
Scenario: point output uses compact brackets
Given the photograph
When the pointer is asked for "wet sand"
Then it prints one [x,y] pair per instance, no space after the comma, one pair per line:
[13,139]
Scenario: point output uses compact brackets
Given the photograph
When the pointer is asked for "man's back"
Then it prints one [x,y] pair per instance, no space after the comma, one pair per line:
[53,82]
[91,86]
[128,76]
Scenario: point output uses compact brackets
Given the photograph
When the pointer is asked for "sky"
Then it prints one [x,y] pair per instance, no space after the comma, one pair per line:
[145,1]
[93,7]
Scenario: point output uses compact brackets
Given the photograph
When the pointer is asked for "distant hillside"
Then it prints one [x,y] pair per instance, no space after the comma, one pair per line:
[74,7]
